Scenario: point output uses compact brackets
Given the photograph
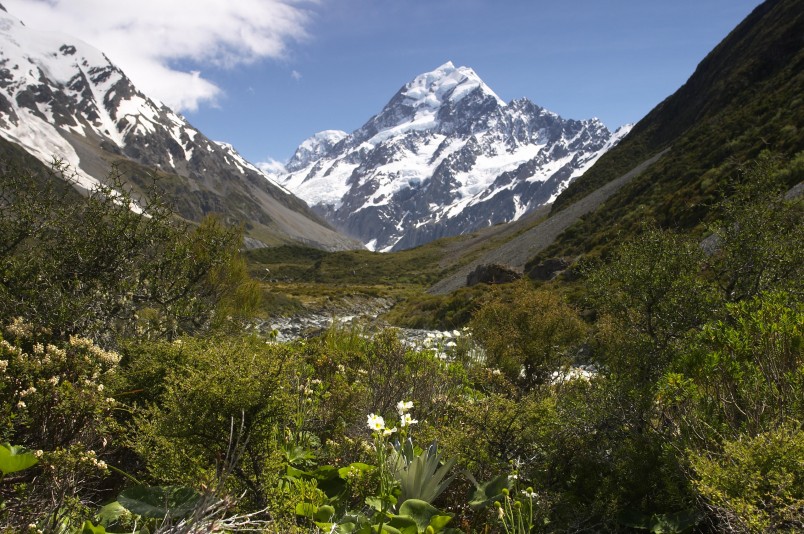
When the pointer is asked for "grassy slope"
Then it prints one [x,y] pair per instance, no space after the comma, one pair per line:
[746,96]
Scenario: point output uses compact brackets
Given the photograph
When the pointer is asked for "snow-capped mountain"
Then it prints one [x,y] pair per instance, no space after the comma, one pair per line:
[61,98]
[445,156]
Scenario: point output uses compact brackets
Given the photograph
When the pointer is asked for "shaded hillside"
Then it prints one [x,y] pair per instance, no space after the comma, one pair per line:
[745,97]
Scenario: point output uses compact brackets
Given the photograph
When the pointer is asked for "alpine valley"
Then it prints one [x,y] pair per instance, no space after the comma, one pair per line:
[444,157]
[62,99]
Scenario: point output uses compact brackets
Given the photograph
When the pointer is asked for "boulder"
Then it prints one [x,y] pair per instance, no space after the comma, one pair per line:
[493,273]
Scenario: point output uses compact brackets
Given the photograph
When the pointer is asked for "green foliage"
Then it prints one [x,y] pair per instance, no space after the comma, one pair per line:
[421,476]
[486,493]
[759,239]
[756,483]
[14,458]
[692,408]
[217,412]
[740,375]
[650,294]
[357,267]
[674,523]
[56,398]
[95,267]
[440,312]
[528,334]
[424,515]
[90,528]
[369,374]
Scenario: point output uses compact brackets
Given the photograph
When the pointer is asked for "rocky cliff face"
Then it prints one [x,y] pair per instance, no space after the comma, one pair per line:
[445,156]
[61,98]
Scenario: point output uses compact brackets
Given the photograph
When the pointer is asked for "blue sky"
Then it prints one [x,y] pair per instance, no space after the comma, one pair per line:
[266,74]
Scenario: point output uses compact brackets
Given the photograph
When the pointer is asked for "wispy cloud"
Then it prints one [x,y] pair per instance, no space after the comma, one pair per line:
[149,38]
[296,75]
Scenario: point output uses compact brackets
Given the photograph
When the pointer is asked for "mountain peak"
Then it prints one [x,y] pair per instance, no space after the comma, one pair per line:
[445,156]
[446,83]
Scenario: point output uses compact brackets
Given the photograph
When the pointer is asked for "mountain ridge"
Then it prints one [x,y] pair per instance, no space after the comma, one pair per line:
[62,98]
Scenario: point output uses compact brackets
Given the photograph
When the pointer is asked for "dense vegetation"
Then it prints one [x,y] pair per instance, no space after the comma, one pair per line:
[666,395]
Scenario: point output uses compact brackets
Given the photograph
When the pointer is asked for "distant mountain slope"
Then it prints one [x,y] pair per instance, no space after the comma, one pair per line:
[61,98]
[445,156]
[745,97]
[516,251]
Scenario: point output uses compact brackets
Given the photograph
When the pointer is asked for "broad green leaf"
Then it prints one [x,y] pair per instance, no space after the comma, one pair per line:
[15,458]
[345,528]
[375,502]
[404,524]
[160,502]
[424,514]
[324,513]
[490,491]
[89,528]
[111,512]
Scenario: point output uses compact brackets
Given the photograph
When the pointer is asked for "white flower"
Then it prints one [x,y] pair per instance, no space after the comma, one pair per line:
[388,431]
[496,372]
[376,423]
[3,366]
[407,420]
[21,405]
[404,407]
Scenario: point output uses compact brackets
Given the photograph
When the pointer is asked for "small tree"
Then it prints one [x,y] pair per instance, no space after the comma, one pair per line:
[527,333]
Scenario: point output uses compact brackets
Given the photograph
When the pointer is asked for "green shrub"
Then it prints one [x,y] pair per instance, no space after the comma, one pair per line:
[756,484]
[56,398]
[218,410]
[528,334]
[111,264]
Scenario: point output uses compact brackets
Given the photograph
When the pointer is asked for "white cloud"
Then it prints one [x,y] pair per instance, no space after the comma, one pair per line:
[296,75]
[272,167]
[148,38]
